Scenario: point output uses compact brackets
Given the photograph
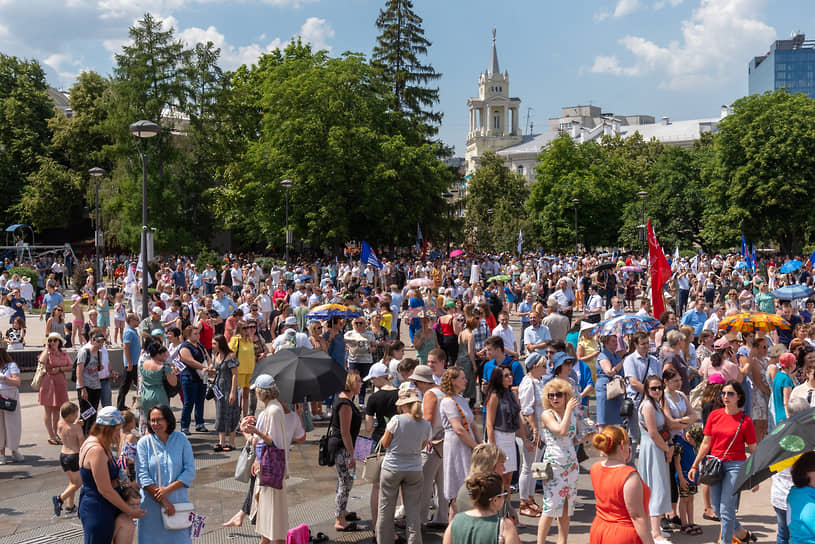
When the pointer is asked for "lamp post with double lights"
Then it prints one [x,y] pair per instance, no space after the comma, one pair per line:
[286,184]
[140,130]
[96,173]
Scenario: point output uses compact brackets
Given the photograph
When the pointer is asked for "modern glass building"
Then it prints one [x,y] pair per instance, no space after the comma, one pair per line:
[789,63]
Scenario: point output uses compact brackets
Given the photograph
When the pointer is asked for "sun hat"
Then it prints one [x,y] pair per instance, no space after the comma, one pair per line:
[378,370]
[407,396]
[716,377]
[291,321]
[559,358]
[586,325]
[56,336]
[75,297]
[264,381]
[450,304]
[109,416]
[422,373]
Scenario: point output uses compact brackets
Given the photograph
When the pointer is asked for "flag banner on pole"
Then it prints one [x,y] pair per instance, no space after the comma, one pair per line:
[755,261]
[659,269]
[418,237]
[368,256]
[520,240]
[744,248]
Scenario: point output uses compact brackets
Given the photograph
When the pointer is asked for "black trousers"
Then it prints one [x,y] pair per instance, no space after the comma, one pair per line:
[128,381]
[94,395]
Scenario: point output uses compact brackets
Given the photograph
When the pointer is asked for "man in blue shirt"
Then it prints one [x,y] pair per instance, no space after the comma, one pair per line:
[696,317]
[223,304]
[524,309]
[336,340]
[495,351]
[131,348]
[50,300]
[179,278]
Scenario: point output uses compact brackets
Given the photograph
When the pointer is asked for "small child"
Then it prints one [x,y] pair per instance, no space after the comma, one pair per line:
[77,320]
[124,527]
[119,318]
[127,447]
[684,456]
[69,430]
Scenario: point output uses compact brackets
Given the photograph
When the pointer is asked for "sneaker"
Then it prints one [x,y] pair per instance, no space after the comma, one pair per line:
[17,456]
[665,526]
[186,432]
[400,512]
[70,509]
[662,541]
[57,502]
[201,429]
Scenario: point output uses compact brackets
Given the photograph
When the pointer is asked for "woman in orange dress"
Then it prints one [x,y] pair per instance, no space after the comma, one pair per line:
[620,494]
[53,385]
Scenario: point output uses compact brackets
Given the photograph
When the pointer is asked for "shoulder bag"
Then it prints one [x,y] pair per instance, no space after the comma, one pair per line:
[710,469]
[243,468]
[272,463]
[182,518]
[373,465]
[615,388]
[38,374]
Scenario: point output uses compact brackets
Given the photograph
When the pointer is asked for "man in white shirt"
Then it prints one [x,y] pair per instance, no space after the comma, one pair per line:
[171,314]
[237,278]
[594,306]
[436,360]
[294,298]
[645,307]
[505,332]
[616,309]
[636,367]
[536,335]
[291,336]
[712,322]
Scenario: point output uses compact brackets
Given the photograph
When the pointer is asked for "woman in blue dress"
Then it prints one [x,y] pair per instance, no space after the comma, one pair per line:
[655,450]
[609,365]
[165,470]
[415,301]
[99,500]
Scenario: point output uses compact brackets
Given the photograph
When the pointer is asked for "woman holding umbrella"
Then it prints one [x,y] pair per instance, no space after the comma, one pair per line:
[728,431]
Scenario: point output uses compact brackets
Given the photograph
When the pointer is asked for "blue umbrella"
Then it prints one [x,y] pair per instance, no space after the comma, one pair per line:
[303,277]
[741,265]
[791,266]
[791,292]
[625,324]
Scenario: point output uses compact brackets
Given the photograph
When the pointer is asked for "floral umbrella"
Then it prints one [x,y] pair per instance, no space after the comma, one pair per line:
[753,321]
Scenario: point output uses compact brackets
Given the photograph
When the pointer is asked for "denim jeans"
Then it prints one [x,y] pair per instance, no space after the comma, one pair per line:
[724,502]
[783,536]
[194,391]
[106,396]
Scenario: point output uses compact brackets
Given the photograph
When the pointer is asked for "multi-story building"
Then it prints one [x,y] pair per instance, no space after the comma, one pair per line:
[789,63]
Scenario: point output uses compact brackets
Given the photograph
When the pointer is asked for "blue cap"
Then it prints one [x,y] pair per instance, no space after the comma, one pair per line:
[532,359]
[109,416]
[264,381]
[559,358]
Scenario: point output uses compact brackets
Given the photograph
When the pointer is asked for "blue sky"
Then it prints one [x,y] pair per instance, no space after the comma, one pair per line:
[677,58]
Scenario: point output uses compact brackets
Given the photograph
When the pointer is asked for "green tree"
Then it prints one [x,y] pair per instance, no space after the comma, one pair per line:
[398,47]
[764,174]
[495,205]
[52,198]
[24,136]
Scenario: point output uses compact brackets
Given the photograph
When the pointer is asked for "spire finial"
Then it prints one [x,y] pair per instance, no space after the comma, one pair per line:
[493,34]
[493,67]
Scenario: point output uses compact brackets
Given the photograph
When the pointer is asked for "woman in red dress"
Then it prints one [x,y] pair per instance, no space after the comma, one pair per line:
[53,385]
[620,494]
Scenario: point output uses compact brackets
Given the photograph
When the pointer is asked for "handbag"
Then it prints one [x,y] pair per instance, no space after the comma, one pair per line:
[710,469]
[272,462]
[627,407]
[308,419]
[243,468]
[38,374]
[541,470]
[182,518]
[615,388]
[7,404]
[362,448]
[373,465]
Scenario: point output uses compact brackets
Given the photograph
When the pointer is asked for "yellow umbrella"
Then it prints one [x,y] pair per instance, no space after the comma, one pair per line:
[753,321]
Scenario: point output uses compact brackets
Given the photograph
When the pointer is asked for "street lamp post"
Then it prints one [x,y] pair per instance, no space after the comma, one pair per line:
[575,201]
[97,173]
[448,196]
[643,236]
[144,129]
[286,184]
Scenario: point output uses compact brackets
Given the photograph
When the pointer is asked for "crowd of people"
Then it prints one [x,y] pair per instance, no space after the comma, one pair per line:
[474,412]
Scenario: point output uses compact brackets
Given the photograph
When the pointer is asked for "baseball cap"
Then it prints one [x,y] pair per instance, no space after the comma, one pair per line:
[422,373]
[264,381]
[721,343]
[716,377]
[156,310]
[532,360]
[379,370]
[109,416]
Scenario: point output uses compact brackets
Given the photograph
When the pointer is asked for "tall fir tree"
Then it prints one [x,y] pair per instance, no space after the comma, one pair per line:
[398,47]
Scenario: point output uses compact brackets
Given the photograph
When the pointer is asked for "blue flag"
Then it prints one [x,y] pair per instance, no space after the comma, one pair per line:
[812,258]
[744,248]
[368,256]
[755,261]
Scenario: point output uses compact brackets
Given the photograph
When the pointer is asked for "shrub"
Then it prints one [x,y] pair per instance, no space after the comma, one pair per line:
[28,272]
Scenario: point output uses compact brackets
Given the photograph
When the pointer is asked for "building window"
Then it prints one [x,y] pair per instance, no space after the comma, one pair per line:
[496,122]
[521,170]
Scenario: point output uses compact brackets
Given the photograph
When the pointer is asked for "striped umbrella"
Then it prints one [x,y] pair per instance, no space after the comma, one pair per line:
[327,311]
[753,321]
[791,292]
[625,324]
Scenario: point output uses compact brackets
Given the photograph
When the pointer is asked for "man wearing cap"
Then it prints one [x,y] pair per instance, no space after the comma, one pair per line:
[151,322]
[290,334]
[507,335]
[530,398]
[557,323]
[208,277]
[432,466]
[636,367]
[536,336]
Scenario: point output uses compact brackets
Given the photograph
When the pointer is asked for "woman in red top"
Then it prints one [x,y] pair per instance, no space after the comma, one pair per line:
[620,494]
[727,431]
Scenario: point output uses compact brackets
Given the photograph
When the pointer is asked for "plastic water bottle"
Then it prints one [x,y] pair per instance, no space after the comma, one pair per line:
[353,473]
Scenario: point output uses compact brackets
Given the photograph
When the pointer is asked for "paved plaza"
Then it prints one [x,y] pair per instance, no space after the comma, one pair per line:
[26,489]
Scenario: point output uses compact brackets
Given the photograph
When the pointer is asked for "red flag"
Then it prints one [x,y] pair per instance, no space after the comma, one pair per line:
[659,269]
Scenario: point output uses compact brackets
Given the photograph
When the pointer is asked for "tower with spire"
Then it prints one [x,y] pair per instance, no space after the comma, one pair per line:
[493,114]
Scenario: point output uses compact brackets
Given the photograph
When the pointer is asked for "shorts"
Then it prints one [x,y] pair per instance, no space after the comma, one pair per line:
[689,492]
[69,462]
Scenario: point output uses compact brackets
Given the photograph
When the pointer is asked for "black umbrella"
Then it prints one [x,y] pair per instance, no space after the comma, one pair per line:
[303,374]
[604,266]
[792,437]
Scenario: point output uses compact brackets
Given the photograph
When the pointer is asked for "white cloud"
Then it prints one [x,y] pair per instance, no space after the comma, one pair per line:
[317,32]
[623,8]
[231,56]
[127,9]
[716,42]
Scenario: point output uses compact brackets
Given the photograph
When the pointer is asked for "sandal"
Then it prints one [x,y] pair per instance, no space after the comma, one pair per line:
[691,529]
[217,447]
[529,512]
[348,528]
[535,506]
[714,517]
[229,447]
[696,529]
[53,441]
[352,516]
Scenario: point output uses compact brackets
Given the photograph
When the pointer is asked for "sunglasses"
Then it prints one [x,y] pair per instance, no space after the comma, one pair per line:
[500,495]
[729,393]
[657,388]
[54,341]
[556,395]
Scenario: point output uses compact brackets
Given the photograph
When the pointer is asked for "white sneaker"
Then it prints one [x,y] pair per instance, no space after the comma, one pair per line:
[400,512]
[662,541]
[3,460]
[17,456]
